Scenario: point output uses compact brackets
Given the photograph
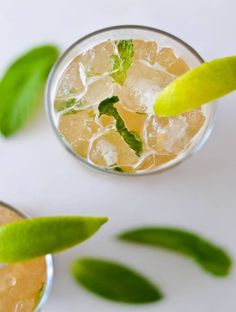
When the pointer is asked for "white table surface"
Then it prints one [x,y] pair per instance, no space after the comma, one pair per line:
[38,176]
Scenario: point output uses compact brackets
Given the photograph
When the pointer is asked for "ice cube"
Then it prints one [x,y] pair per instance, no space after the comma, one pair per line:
[107,151]
[110,149]
[162,159]
[133,121]
[167,135]
[25,305]
[142,85]
[19,306]
[97,91]
[166,57]
[141,71]
[98,60]
[139,98]
[77,129]
[107,121]
[73,80]
[145,50]
[178,68]
[195,119]
[152,161]
[147,163]
[7,280]
[173,64]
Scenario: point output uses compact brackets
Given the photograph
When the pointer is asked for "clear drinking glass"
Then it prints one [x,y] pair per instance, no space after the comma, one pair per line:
[182,49]
[10,214]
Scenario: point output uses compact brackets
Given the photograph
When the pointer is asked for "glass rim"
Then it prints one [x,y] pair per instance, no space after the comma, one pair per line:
[48,260]
[166,166]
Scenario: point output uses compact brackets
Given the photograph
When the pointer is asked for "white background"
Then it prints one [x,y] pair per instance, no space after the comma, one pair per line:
[38,176]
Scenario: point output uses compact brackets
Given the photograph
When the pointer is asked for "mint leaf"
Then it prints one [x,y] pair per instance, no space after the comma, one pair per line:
[210,257]
[21,88]
[73,111]
[118,169]
[106,107]
[64,104]
[123,61]
[114,281]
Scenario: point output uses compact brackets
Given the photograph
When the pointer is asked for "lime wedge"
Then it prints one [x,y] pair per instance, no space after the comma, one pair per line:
[198,86]
[31,238]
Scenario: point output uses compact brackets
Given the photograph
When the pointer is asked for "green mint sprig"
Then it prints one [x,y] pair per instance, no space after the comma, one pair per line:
[64,104]
[106,107]
[123,61]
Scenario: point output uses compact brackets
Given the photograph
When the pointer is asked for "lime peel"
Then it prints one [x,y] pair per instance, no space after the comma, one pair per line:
[203,84]
[31,238]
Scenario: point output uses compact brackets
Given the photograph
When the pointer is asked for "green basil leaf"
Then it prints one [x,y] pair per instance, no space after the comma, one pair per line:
[114,281]
[210,257]
[123,61]
[21,88]
[106,107]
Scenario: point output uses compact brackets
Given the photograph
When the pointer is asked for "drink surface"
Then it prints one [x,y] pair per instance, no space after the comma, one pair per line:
[21,284]
[132,138]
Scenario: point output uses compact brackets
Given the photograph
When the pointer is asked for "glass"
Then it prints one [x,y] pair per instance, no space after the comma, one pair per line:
[21,272]
[183,50]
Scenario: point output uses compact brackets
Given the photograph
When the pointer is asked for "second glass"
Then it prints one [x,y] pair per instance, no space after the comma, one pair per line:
[24,286]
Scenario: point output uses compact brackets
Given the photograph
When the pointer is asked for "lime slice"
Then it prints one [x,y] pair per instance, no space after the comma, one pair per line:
[198,86]
[31,238]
